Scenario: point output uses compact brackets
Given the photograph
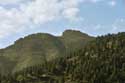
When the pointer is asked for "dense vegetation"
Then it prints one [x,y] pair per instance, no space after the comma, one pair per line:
[102,60]
[38,48]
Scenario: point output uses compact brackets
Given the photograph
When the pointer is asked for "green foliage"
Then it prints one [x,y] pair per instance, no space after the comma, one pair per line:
[102,60]
[38,49]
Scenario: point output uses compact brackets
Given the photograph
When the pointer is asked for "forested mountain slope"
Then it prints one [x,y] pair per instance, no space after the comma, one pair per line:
[102,60]
[74,40]
[38,49]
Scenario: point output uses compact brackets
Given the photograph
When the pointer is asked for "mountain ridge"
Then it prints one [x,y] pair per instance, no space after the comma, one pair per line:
[101,60]
[40,47]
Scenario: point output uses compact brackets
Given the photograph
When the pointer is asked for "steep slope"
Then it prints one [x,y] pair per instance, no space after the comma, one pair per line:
[34,49]
[101,61]
[41,47]
[6,65]
[74,40]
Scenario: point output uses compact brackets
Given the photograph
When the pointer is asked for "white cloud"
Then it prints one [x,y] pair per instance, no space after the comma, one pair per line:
[118,25]
[41,11]
[10,1]
[71,13]
[112,3]
[11,21]
[35,12]
[93,1]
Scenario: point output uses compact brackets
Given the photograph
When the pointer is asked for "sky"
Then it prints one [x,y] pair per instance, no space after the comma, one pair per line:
[19,18]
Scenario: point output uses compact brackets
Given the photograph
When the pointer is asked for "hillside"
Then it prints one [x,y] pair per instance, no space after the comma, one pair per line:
[40,48]
[74,40]
[101,60]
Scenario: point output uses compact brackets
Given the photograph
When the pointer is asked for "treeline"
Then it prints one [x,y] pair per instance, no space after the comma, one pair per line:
[101,61]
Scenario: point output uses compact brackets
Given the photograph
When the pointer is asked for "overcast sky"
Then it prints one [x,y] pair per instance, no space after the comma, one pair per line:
[19,18]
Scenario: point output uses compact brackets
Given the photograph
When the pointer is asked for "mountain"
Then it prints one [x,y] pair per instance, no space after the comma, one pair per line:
[40,48]
[74,40]
[98,60]
[101,61]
